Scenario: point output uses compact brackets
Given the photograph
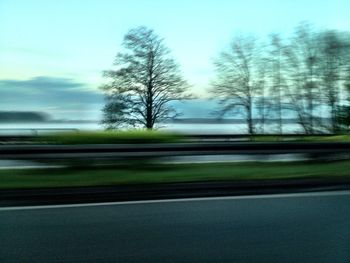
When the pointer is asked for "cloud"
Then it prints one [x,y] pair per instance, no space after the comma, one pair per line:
[41,82]
[45,92]
[53,89]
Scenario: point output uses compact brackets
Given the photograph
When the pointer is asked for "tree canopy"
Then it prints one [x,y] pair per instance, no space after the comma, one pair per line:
[145,79]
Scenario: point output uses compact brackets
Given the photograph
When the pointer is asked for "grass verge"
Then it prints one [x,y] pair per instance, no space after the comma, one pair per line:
[144,136]
[169,173]
[109,137]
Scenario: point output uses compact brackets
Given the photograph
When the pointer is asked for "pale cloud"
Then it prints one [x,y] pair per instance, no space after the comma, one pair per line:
[49,92]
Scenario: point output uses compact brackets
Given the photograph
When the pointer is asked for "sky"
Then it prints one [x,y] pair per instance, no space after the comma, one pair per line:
[52,53]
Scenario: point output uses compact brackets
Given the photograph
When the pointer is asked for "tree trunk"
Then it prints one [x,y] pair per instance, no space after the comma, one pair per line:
[149,109]
[279,94]
[311,95]
[149,118]
[250,119]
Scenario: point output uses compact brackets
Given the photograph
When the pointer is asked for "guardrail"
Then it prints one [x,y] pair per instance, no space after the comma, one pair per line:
[160,150]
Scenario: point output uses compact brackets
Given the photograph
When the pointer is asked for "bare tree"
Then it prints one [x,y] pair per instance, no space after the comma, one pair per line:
[143,83]
[343,110]
[115,112]
[236,80]
[332,70]
[329,72]
[276,76]
[262,102]
[301,56]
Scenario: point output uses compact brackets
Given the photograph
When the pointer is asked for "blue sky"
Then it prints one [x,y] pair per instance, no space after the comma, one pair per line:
[73,41]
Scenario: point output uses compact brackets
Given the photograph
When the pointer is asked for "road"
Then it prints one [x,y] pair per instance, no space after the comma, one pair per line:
[312,227]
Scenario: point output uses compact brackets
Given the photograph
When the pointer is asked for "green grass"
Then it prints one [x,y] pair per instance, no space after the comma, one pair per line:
[109,137]
[144,136]
[168,173]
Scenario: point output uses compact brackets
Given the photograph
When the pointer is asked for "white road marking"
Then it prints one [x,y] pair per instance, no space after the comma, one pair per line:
[199,199]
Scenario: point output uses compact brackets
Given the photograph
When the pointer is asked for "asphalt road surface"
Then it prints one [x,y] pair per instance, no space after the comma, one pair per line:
[272,228]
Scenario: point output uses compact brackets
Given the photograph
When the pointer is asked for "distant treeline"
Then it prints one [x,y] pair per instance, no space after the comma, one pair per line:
[307,73]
